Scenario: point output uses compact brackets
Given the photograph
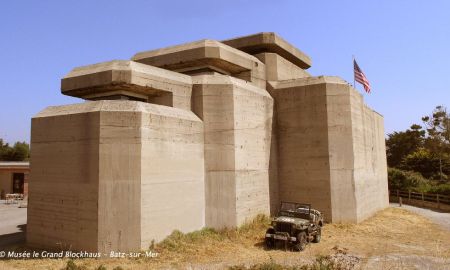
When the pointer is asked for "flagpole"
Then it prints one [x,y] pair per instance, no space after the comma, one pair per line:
[353,63]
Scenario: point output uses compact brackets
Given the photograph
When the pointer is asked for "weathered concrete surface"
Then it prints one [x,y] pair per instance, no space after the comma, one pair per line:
[206,55]
[270,42]
[172,173]
[303,157]
[241,128]
[120,79]
[370,165]
[63,199]
[279,69]
[324,147]
[237,120]
[104,176]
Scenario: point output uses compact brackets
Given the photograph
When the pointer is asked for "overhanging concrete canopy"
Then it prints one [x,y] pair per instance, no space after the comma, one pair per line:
[270,42]
[122,78]
[203,54]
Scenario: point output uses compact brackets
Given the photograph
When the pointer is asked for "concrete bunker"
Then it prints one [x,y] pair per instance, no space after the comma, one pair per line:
[207,133]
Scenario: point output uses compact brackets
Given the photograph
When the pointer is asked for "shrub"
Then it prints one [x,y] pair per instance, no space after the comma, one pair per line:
[443,189]
[407,180]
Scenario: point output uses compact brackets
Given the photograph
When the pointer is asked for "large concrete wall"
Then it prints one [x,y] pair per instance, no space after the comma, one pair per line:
[237,119]
[172,173]
[369,151]
[331,148]
[277,69]
[357,155]
[119,196]
[107,176]
[253,112]
[341,158]
[303,157]
[63,199]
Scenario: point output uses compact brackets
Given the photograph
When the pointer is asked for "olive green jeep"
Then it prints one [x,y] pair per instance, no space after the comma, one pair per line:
[296,224]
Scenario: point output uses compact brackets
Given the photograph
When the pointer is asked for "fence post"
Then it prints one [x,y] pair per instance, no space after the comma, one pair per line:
[437,199]
[400,201]
[423,200]
[398,195]
[409,196]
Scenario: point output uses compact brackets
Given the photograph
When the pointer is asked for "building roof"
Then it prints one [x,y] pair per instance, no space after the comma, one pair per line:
[14,165]
[270,42]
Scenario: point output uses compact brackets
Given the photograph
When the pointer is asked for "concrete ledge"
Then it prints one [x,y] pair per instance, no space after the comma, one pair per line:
[117,105]
[270,42]
[227,80]
[306,81]
[122,78]
[203,54]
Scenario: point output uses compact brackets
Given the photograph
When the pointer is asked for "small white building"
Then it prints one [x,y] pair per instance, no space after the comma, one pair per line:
[14,177]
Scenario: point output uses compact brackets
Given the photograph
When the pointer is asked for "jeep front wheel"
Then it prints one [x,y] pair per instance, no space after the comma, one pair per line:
[270,242]
[318,235]
[301,241]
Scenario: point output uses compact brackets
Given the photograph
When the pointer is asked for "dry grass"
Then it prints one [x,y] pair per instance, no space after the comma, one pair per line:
[391,231]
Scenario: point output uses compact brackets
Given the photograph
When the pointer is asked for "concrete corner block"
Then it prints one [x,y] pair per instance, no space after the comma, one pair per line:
[101,178]
[131,80]
[324,124]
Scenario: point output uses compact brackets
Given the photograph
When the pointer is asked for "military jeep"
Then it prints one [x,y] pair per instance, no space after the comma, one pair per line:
[296,224]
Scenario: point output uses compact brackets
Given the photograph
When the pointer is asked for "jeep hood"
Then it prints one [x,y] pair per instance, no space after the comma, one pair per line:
[294,220]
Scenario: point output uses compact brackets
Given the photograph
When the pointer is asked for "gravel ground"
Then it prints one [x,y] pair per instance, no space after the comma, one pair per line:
[442,219]
[401,253]
[13,222]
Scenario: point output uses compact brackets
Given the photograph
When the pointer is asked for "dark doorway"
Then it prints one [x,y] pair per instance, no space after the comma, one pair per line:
[18,181]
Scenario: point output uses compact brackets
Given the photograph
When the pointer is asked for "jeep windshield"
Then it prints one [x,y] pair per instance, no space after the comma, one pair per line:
[298,210]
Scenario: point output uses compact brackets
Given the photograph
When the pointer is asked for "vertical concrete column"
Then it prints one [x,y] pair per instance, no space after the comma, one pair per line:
[63,200]
[172,173]
[303,157]
[237,119]
[119,197]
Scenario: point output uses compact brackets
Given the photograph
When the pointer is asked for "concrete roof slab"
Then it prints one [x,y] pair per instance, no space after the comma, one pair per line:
[122,77]
[208,54]
[270,42]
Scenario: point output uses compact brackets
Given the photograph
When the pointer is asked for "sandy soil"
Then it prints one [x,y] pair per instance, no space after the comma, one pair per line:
[394,238]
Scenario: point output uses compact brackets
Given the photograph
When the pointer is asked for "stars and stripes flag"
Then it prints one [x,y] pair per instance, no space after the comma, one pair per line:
[360,76]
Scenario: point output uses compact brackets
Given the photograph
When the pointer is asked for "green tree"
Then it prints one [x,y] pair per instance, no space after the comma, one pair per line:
[400,144]
[427,163]
[438,135]
[3,149]
[19,152]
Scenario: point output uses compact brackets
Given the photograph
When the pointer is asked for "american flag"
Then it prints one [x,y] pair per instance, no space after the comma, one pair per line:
[361,77]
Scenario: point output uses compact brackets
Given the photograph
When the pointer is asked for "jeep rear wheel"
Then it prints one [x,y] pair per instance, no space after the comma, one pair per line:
[301,241]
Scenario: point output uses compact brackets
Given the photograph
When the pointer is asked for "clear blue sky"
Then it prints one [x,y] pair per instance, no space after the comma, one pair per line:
[403,46]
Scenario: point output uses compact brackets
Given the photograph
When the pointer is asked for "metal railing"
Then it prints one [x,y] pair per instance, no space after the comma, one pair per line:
[438,201]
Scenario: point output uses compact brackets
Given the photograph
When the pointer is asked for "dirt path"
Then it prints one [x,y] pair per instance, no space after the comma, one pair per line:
[395,238]
[442,219]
